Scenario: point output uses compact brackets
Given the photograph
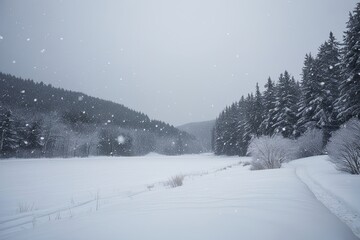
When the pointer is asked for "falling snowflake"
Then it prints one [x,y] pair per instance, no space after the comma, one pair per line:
[322,83]
[35,99]
[14,61]
[43,50]
[121,139]
[1,37]
[28,39]
[42,138]
[331,67]
[80,98]
[22,91]
[61,38]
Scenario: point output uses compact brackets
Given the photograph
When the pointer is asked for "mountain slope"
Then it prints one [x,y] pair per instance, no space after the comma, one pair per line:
[81,121]
[201,130]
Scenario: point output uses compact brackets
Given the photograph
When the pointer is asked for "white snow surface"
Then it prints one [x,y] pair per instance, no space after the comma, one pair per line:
[127,198]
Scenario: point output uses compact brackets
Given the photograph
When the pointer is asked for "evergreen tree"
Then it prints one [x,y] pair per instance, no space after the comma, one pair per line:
[328,79]
[33,136]
[285,112]
[242,138]
[269,106]
[308,86]
[9,139]
[258,112]
[348,104]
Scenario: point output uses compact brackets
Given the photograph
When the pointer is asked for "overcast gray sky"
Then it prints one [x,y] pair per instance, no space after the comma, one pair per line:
[177,61]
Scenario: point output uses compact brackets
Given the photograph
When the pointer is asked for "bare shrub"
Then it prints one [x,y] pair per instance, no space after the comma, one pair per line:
[175,181]
[310,143]
[270,152]
[344,147]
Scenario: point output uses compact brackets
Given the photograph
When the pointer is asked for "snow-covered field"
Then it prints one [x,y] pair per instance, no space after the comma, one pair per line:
[127,198]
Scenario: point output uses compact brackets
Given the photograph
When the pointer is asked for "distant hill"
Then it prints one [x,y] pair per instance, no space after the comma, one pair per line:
[82,116]
[201,130]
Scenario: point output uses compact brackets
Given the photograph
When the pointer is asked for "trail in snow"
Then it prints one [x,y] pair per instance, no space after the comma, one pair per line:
[13,224]
[346,214]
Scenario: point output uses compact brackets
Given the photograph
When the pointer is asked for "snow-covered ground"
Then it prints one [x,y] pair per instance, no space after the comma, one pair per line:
[125,198]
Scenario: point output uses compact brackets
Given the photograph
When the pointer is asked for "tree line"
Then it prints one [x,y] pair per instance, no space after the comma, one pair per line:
[39,120]
[327,96]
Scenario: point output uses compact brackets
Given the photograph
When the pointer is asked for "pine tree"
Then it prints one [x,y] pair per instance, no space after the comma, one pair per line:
[9,139]
[33,136]
[269,106]
[308,86]
[285,112]
[258,112]
[348,104]
[328,79]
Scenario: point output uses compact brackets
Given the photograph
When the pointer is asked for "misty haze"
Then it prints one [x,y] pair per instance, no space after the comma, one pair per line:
[179,119]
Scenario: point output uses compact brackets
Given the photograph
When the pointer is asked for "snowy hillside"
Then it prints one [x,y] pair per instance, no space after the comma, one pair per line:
[129,198]
[201,130]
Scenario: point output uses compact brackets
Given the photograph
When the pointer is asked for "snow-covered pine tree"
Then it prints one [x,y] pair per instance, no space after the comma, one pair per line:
[9,139]
[258,112]
[348,104]
[327,79]
[242,142]
[308,86]
[268,108]
[231,137]
[285,112]
[33,136]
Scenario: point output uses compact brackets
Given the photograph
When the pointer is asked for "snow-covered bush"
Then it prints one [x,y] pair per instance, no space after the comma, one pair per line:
[344,147]
[310,143]
[269,152]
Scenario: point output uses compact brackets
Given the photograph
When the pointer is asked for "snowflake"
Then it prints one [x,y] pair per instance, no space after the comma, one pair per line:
[80,98]
[14,61]
[35,99]
[331,67]
[1,37]
[43,50]
[22,91]
[121,139]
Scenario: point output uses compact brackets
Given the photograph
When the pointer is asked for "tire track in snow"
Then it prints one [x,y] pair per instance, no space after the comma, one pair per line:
[347,215]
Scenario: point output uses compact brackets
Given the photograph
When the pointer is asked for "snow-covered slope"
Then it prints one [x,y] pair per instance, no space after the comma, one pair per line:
[125,198]
[201,130]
